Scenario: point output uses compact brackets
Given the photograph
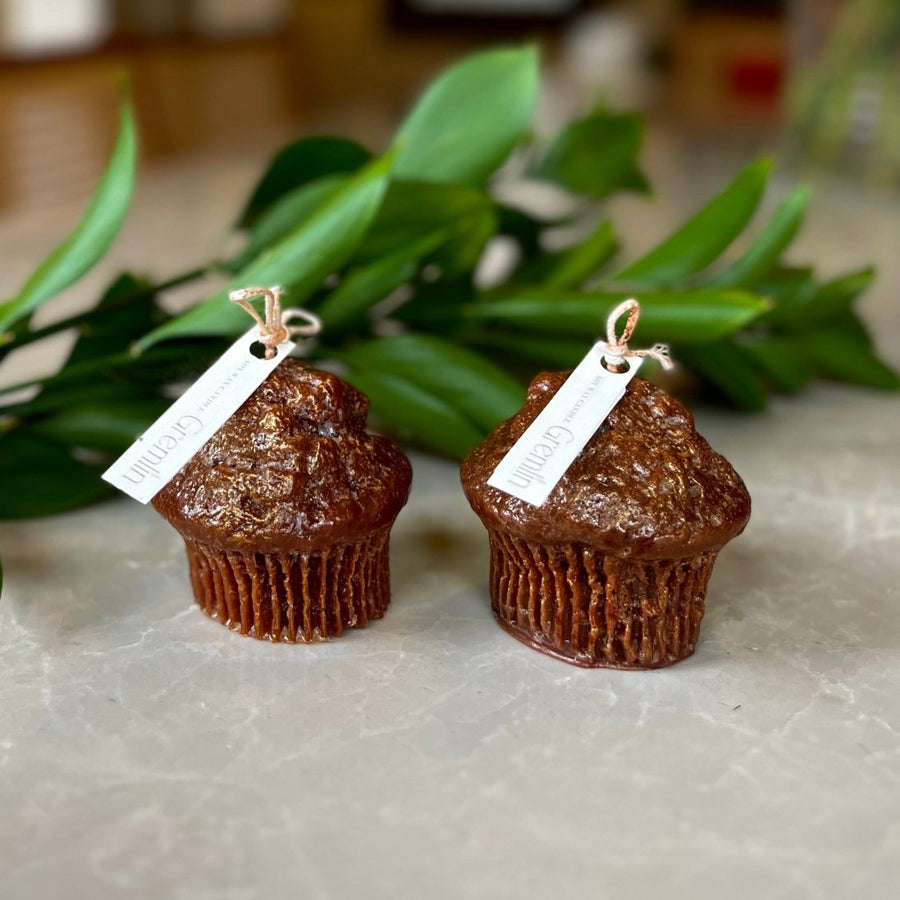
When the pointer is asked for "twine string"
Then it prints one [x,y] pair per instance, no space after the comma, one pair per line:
[616,347]
[273,330]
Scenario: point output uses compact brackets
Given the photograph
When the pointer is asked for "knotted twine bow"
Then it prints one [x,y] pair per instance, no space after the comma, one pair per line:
[272,330]
[617,347]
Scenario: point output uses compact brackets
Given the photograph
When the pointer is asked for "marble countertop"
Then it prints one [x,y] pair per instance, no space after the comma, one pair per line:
[145,751]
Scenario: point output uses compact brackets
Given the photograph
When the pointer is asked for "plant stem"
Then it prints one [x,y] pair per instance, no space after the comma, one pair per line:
[123,358]
[20,336]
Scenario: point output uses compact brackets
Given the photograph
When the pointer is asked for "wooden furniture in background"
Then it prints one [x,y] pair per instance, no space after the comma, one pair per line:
[57,117]
[728,71]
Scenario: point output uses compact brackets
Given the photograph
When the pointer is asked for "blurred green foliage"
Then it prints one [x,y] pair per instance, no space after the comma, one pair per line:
[385,248]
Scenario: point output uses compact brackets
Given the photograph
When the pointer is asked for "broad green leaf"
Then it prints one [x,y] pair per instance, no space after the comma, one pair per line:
[768,246]
[93,235]
[525,228]
[563,269]
[299,163]
[834,298]
[110,426]
[413,208]
[826,303]
[701,240]
[839,356]
[576,264]
[597,155]
[470,118]
[413,413]
[787,284]
[522,226]
[436,307]
[464,214]
[126,310]
[853,326]
[40,477]
[367,285]
[465,380]
[126,290]
[782,361]
[696,317]
[724,366]
[459,255]
[85,390]
[316,248]
[284,215]
[561,353]
[788,287]
[151,369]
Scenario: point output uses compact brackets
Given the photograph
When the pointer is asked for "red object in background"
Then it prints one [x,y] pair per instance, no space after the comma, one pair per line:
[756,80]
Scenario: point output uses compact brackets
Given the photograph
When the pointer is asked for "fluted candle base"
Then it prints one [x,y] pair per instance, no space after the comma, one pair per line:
[593,609]
[293,597]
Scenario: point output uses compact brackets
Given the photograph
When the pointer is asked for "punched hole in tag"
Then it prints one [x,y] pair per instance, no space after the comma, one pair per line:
[615,367]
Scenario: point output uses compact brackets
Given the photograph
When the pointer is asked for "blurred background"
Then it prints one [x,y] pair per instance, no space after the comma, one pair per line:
[213,75]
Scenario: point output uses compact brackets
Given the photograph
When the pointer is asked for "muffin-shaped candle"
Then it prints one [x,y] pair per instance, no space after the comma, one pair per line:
[612,569]
[286,511]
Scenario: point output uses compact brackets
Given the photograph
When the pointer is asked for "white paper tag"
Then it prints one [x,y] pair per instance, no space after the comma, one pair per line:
[534,465]
[154,459]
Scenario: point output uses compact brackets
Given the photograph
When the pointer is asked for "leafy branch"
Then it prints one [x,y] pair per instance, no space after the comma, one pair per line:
[385,249]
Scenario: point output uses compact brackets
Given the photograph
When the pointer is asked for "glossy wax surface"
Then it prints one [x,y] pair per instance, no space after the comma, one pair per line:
[293,469]
[646,485]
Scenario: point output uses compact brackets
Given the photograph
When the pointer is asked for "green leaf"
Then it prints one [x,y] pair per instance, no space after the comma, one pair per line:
[436,307]
[413,413]
[126,310]
[413,208]
[723,365]
[93,235]
[154,368]
[299,163]
[367,285]
[561,353]
[462,214]
[783,361]
[826,303]
[40,477]
[787,287]
[699,316]
[834,298]
[521,226]
[465,380]
[107,426]
[701,240]
[64,395]
[768,246]
[575,265]
[284,215]
[853,326]
[597,155]
[843,357]
[470,118]
[314,249]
